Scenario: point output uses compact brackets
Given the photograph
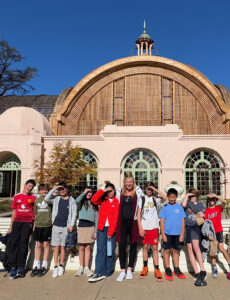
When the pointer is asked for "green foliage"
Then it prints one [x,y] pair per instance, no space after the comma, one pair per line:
[13,80]
[227,208]
[5,205]
[65,163]
[174,182]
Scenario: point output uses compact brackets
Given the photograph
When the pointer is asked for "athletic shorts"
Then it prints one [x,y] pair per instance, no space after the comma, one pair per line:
[59,236]
[42,234]
[220,237]
[192,233]
[172,242]
[151,237]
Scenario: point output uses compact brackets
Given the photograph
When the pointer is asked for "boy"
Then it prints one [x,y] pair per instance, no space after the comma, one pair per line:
[148,224]
[42,230]
[20,228]
[213,213]
[63,219]
[172,224]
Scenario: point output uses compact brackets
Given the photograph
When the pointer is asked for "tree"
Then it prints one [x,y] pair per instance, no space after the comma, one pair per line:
[65,163]
[14,80]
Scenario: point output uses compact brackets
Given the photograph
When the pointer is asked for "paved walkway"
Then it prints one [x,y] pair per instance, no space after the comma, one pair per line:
[70,287]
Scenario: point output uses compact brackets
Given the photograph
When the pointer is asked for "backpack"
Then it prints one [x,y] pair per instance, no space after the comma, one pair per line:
[71,239]
[4,258]
[143,203]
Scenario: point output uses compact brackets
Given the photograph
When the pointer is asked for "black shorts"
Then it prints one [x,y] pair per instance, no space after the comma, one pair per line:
[172,242]
[42,234]
[192,233]
[220,237]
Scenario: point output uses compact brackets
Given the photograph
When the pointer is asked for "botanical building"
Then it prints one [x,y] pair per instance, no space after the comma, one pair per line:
[156,118]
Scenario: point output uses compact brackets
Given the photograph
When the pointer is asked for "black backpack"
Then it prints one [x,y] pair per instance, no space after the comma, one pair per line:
[4,259]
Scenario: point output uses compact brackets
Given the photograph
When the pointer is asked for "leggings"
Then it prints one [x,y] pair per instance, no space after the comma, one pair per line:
[126,231]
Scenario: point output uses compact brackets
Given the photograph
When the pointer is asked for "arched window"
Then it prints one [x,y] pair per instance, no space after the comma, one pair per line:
[143,166]
[10,174]
[89,179]
[203,170]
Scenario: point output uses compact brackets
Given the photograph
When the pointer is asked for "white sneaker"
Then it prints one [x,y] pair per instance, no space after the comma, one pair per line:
[79,271]
[129,275]
[60,271]
[55,273]
[121,276]
[87,272]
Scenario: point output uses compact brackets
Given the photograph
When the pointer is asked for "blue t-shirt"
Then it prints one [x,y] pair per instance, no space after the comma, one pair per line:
[63,213]
[173,216]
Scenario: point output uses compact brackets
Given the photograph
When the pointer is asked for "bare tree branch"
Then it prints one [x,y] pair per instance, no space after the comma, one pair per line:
[14,80]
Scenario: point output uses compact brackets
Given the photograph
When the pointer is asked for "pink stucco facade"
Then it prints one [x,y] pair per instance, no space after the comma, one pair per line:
[24,132]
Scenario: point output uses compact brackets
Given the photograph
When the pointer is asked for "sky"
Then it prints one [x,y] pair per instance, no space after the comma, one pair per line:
[67,39]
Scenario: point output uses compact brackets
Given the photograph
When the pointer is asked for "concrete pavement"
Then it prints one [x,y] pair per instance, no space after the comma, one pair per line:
[70,287]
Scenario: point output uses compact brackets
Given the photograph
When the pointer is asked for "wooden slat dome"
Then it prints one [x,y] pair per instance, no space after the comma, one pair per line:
[143,91]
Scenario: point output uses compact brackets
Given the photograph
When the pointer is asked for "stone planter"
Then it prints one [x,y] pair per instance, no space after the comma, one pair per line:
[177,187]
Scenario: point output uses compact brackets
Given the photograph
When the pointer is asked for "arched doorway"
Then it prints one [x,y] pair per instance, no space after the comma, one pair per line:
[143,165]
[10,174]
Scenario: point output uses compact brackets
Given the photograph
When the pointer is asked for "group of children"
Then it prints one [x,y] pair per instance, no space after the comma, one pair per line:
[112,215]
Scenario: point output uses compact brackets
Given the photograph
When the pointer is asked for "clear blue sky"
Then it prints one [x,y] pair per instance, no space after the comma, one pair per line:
[66,39]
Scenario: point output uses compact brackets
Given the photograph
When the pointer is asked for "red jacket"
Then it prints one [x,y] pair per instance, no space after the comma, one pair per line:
[107,210]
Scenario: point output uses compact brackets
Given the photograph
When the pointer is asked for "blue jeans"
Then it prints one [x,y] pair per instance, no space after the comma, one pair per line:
[104,263]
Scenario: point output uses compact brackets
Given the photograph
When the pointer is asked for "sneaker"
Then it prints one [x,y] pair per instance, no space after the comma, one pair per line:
[21,272]
[60,271]
[158,275]
[79,271]
[34,272]
[168,274]
[13,273]
[201,279]
[88,272]
[55,272]
[144,272]
[42,272]
[214,273]
[195,277]
[121,276]
[129,275]
[96,277]
[228,275]
[179,274]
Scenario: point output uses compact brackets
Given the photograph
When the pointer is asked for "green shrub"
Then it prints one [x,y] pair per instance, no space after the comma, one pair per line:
[5,205]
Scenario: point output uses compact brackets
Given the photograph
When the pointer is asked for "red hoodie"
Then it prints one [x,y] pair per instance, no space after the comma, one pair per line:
[107,210]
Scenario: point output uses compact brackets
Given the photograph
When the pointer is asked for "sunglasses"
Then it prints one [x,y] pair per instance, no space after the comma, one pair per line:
[110,191]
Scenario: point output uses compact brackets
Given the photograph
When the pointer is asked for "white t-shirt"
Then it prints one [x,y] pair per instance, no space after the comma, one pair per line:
[107,220]
[149,218]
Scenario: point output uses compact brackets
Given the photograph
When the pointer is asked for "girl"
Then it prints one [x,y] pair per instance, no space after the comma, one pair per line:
[193,236]
[87,230]
[127,225]
[213,213]
[107,222]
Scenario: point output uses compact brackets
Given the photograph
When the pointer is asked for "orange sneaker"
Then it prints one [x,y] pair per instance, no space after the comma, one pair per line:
[144,272]
[158,275]
[169,275]
[179,274]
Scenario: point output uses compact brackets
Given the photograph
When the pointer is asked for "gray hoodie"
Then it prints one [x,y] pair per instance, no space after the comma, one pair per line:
[207,231]
[55,201]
